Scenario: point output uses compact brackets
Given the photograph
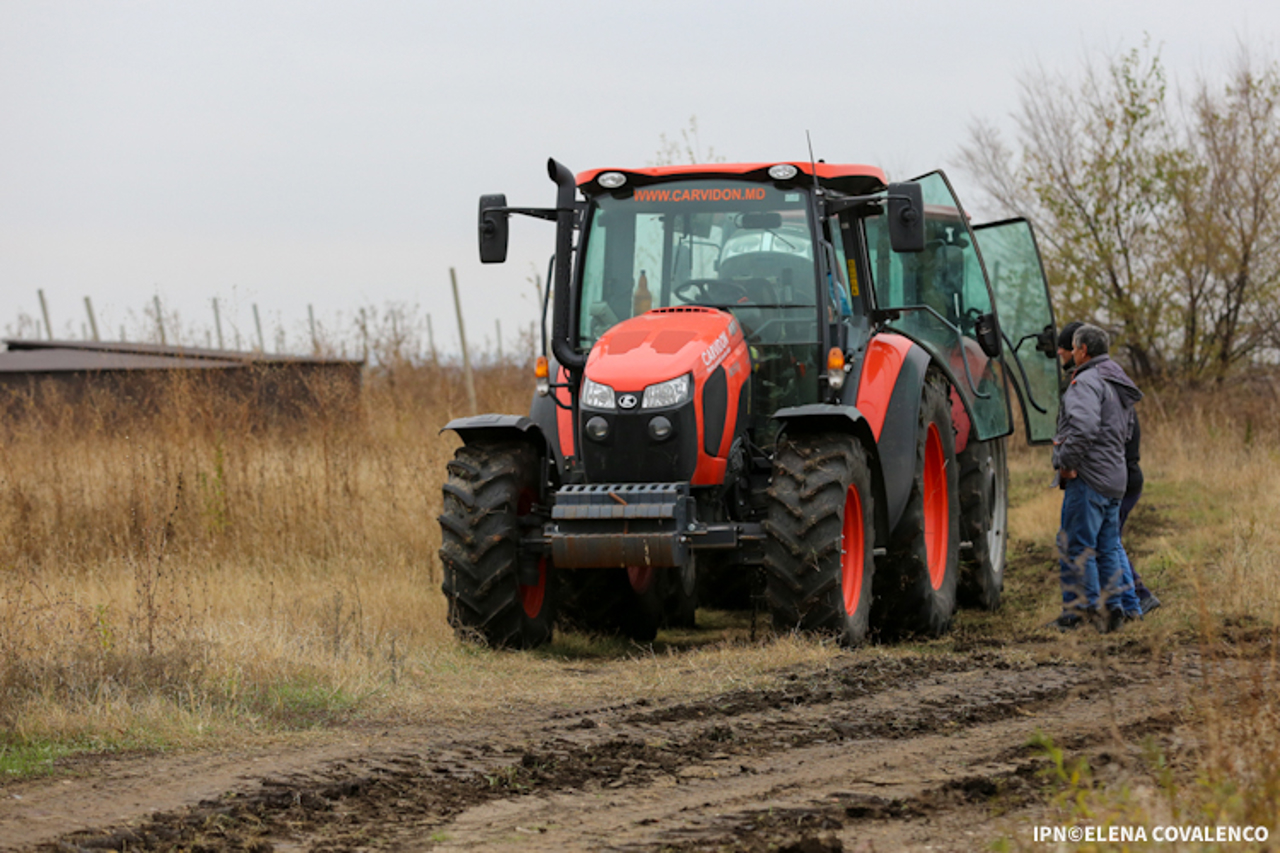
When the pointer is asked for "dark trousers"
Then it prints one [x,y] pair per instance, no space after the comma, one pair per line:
[1127,503]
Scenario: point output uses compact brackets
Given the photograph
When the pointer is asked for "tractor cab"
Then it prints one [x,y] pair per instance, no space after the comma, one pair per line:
[745,248]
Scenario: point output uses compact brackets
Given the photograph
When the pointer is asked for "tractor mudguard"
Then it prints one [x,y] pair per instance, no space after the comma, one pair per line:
[498,428]
[827,417]
[890,387]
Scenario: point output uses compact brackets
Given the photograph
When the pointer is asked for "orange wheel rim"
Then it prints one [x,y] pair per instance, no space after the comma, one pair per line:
[937,512]
[531,597]
[853,551]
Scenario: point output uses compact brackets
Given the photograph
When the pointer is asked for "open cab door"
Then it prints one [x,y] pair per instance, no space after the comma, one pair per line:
[1012,259]
[940,298]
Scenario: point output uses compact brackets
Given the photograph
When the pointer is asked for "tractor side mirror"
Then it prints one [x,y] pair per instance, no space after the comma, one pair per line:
[987,330]
[494,232]
[906,217]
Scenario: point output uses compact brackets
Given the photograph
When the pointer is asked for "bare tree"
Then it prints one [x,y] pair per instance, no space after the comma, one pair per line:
[1228,225]
[686,149]
[1160,223]
[1088,175]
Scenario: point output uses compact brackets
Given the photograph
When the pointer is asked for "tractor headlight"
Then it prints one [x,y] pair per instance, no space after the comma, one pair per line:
[660,428]
[670,393]
[598,428]
[596,396]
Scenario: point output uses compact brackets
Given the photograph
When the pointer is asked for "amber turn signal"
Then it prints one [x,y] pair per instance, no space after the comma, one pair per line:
[835,369]
[542,372]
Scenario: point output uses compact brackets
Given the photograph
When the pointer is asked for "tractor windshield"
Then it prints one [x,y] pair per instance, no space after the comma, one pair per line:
[742,246]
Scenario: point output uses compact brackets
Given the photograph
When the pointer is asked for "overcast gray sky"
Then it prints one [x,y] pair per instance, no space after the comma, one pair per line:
[332,153]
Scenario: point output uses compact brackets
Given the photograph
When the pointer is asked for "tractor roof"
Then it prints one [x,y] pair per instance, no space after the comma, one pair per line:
[848,178]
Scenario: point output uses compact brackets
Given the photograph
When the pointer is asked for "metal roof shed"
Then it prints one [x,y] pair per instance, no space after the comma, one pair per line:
[143,377]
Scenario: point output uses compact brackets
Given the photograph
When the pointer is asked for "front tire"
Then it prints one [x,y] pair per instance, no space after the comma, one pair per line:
[916,586]
[489,496]
[818,559]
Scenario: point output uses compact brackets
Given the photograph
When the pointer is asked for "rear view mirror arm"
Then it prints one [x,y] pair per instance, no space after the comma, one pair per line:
[547,213]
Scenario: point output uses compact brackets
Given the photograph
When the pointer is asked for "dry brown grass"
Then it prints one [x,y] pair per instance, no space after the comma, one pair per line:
[188,576]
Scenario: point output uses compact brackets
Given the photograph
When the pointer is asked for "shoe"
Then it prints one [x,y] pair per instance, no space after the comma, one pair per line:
[1115,621]
[1148,603]
[1068,621]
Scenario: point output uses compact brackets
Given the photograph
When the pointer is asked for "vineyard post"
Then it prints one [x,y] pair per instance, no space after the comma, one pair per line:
[462,336]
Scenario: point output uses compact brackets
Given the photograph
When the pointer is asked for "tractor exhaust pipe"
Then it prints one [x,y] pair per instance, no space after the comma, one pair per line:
[561,341]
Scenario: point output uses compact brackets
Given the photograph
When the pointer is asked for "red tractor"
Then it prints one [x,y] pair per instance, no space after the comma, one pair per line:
[790,371]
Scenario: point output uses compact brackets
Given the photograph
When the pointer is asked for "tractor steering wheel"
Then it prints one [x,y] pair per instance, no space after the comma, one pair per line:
[710,291]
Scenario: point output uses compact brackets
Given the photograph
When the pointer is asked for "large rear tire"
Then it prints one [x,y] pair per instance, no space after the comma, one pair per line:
[818,561]
[490,494]
[916,583]
[984,496]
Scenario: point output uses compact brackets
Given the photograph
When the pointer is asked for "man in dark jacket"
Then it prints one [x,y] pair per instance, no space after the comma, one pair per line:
[1094,422]
[1147,599]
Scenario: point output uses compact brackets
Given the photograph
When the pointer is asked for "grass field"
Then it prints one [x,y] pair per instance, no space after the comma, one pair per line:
[181,580]
[170,581]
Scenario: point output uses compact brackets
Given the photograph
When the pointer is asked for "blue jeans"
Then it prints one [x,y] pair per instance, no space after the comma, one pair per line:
[1094,569]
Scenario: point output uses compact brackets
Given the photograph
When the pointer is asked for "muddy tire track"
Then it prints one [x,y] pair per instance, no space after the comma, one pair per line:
[865,751]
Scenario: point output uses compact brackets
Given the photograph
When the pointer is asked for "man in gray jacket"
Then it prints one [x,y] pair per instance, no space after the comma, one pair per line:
[1094,422]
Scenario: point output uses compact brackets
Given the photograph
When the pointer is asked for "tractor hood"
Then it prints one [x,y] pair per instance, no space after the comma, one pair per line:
[684,433]
[663,344]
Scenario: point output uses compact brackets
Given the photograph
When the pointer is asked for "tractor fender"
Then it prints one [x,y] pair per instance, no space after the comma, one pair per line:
[890,387]
[828,417]
[499,428]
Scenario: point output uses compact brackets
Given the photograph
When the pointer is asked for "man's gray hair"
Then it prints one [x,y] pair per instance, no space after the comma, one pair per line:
[1094,340]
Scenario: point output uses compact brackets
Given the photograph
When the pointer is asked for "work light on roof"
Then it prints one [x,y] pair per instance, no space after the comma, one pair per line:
[783,172]
[612,180]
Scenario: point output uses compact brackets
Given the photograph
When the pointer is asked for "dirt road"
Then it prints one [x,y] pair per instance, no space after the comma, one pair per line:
[876,751]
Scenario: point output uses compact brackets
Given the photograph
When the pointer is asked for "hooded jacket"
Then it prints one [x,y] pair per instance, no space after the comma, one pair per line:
[1095,421]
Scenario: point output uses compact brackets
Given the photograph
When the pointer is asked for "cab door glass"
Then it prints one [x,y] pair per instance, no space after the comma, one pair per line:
[941,294]
[1012,260]
[840,269]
